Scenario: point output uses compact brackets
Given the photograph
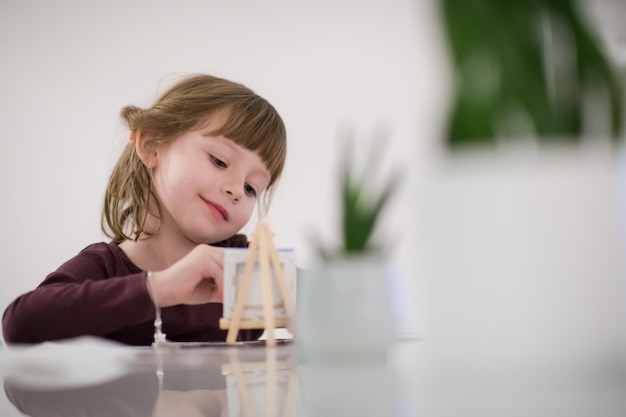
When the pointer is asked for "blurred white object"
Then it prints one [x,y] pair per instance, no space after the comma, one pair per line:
[59,365]
[344,312]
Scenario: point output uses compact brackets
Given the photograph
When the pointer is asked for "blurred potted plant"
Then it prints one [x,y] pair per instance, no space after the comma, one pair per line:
[361,206]
[537,61]
[343,305]
[521,225]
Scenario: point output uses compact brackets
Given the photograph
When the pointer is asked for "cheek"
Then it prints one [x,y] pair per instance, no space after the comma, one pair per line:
[245,211]
[176,178]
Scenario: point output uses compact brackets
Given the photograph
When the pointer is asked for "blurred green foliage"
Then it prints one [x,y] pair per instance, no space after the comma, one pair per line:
[363,199]
[361,206]
[527,68]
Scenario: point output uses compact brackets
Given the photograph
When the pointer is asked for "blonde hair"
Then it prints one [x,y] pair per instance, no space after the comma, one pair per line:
[251,122]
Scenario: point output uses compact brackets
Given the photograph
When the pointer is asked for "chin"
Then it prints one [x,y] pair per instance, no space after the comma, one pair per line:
[211,239]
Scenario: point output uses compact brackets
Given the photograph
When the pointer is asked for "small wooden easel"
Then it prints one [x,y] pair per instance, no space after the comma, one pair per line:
[261,250]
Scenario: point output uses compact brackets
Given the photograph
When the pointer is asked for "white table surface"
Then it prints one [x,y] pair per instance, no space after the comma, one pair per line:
[419,378]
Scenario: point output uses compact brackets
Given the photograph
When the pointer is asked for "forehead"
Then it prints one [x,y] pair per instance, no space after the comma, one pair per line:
[258,129]
[214,121]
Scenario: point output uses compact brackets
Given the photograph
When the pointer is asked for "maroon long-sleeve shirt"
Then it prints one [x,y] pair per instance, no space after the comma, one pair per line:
[100,292]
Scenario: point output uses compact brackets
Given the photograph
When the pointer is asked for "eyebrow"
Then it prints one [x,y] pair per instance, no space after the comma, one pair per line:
[235,146]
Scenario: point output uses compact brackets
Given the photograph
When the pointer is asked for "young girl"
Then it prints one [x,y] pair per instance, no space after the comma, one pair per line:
[196,164]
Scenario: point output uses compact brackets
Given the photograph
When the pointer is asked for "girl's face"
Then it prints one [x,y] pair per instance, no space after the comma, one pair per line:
[207,185]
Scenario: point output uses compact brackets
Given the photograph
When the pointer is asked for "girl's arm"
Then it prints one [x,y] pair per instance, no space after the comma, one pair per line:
[92,294]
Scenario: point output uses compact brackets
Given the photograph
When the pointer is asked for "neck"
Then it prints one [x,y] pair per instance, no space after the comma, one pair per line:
[159,251]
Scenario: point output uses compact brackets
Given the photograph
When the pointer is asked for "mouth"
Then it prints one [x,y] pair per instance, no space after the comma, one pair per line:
[216,209]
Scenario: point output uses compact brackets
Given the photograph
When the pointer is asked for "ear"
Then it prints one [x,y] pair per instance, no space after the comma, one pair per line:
[145,146]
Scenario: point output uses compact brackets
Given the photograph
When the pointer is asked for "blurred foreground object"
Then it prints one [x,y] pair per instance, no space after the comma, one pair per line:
[519,240]
[344,311]
[531,68]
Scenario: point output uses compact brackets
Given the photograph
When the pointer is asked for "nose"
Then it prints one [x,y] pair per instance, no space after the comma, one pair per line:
[232,191]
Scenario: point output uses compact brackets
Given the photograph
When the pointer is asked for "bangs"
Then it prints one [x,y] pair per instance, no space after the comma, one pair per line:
[254,124]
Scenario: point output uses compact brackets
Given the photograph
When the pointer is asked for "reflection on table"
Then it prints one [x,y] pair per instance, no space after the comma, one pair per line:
[196,380]
[418,379]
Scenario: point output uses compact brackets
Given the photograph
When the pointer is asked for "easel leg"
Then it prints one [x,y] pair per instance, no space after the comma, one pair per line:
[280,279]
[266,284]
[242,293]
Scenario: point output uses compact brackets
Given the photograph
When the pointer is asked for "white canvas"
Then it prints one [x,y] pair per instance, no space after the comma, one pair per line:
[234,262]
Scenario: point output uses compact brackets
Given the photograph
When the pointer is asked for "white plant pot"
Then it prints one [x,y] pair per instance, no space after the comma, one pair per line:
[343,312]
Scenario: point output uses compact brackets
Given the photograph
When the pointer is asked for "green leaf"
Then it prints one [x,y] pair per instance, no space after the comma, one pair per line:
[537,58]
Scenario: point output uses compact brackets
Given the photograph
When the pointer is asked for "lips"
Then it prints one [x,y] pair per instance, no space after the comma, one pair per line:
[216,209]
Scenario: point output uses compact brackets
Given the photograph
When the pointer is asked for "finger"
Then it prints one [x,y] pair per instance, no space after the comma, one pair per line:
[213,289]
[220,293]
[217,254]
[219,258]
[218,283]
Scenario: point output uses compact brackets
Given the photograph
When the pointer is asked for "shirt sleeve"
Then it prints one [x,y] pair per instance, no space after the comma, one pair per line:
[82,297]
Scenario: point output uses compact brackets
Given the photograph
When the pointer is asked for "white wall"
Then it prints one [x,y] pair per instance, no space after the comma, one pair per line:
[68,67]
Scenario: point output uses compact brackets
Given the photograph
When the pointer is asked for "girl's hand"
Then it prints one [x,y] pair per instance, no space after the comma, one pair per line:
[197,278]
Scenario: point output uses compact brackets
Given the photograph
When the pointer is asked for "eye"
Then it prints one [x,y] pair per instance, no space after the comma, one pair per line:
[249,190]
[218,162]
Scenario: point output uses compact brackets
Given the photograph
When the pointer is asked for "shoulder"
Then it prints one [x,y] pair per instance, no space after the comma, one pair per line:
[103,251]
[105,258]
